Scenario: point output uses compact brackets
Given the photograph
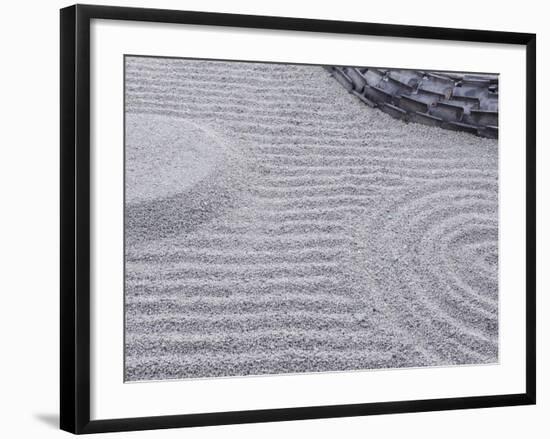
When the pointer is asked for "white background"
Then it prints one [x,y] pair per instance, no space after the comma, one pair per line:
[30,204]
[111,398]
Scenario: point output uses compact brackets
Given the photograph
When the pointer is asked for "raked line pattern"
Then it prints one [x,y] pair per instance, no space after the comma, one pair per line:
[356,242]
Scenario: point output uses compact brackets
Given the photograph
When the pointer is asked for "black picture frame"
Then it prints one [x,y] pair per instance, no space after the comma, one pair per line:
[75,217]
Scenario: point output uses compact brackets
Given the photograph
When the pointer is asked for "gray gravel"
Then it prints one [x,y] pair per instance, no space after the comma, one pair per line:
[274,224]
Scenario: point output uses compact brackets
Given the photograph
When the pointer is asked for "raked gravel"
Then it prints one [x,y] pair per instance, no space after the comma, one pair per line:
[275,224]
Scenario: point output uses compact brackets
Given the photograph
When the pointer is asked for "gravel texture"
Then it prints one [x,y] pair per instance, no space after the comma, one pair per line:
[275,224]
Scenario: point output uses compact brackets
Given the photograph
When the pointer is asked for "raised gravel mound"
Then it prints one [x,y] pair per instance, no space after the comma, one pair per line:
[178,175]
[454,101]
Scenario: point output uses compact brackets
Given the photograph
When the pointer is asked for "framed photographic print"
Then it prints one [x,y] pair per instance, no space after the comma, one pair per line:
[267,218]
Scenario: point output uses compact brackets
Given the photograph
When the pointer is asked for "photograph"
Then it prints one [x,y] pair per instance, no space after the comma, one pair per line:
[295,218]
